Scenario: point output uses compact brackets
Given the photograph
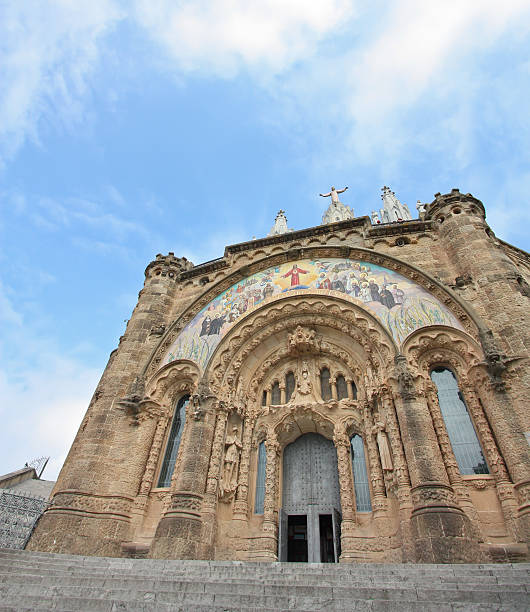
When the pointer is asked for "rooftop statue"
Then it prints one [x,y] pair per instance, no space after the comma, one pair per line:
[334,193]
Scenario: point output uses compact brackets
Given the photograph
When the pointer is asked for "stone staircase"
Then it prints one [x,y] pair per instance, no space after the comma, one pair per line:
[45,581]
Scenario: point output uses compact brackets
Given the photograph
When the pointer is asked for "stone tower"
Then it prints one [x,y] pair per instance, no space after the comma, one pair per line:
[361,386]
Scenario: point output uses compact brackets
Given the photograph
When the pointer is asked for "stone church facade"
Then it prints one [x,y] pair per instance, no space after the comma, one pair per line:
[354,392]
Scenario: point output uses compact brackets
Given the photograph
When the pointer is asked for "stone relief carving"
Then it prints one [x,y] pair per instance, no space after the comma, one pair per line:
[303,340]
[405,379]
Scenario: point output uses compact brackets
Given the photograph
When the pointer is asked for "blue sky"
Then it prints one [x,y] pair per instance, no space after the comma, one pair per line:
[133,128]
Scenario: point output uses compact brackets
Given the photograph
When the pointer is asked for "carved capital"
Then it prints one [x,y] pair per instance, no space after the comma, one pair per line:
[407,386]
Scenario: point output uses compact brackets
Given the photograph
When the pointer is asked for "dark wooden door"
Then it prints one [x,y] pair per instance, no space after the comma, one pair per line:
[311,486]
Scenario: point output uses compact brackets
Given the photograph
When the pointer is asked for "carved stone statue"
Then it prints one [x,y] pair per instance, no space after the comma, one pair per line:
[334,193]
[304,384]
[304,392]
[384,446]
[233,450]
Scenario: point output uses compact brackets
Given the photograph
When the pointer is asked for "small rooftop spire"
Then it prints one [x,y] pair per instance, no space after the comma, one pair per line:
[280,224]
[393,210]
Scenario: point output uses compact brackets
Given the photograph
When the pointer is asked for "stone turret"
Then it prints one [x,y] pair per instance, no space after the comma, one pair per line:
[110,423]
[488,279]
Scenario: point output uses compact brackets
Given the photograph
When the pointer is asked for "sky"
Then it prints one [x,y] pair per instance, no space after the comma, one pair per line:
[131,128]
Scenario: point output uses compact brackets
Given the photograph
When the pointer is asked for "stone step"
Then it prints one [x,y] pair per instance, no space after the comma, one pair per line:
[173,583]
[17,574]
[108,602]
[44,581]
[193,565]
[260,596]
[211,567]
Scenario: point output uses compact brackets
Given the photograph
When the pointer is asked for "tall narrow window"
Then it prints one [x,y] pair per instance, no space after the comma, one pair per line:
[289,385]
[260,479]
[276,396]
[342,387]
[264,398]
[325,387]
[462,435]
[360,475]
[173,441]
[353,390]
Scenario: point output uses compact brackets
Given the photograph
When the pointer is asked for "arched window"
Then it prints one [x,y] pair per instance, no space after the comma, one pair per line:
[353,390]
[264,398]
[342,387]
[462,435]
[276,397]
[360,475]
[325,387]
[173,441]
[289,385]
[260,479]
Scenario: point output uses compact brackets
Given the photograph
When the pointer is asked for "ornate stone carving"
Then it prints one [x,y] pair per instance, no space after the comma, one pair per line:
[212,483]
[407,387]
[342,444]
[131,402]
[303,340]
[88,503]
[433,494]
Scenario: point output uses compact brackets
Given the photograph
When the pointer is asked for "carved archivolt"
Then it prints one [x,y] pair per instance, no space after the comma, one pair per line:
[171,382]
[442,346]
[375,350]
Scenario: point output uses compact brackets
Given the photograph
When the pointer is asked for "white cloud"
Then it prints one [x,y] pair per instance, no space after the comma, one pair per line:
[424,56]
[44,392]
[226,36]
[48,52]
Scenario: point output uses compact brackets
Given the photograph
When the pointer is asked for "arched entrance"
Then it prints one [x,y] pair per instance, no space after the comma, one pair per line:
[310,513]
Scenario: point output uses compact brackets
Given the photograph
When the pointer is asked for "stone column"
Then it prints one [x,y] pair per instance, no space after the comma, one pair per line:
[269,531]
[241,503]
[349,388]
[333,383]
[503,484]
[379,501]
[239,524]
[441,531]
[283,398]
[347,502]
[146,485]
[179,531]
[401,474]
[451,465]
[209,504]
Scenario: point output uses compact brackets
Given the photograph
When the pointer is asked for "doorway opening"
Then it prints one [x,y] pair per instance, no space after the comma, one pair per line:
[327,540]
[297,538]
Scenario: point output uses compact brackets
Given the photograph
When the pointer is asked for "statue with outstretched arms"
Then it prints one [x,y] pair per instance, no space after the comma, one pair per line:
[334,193]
